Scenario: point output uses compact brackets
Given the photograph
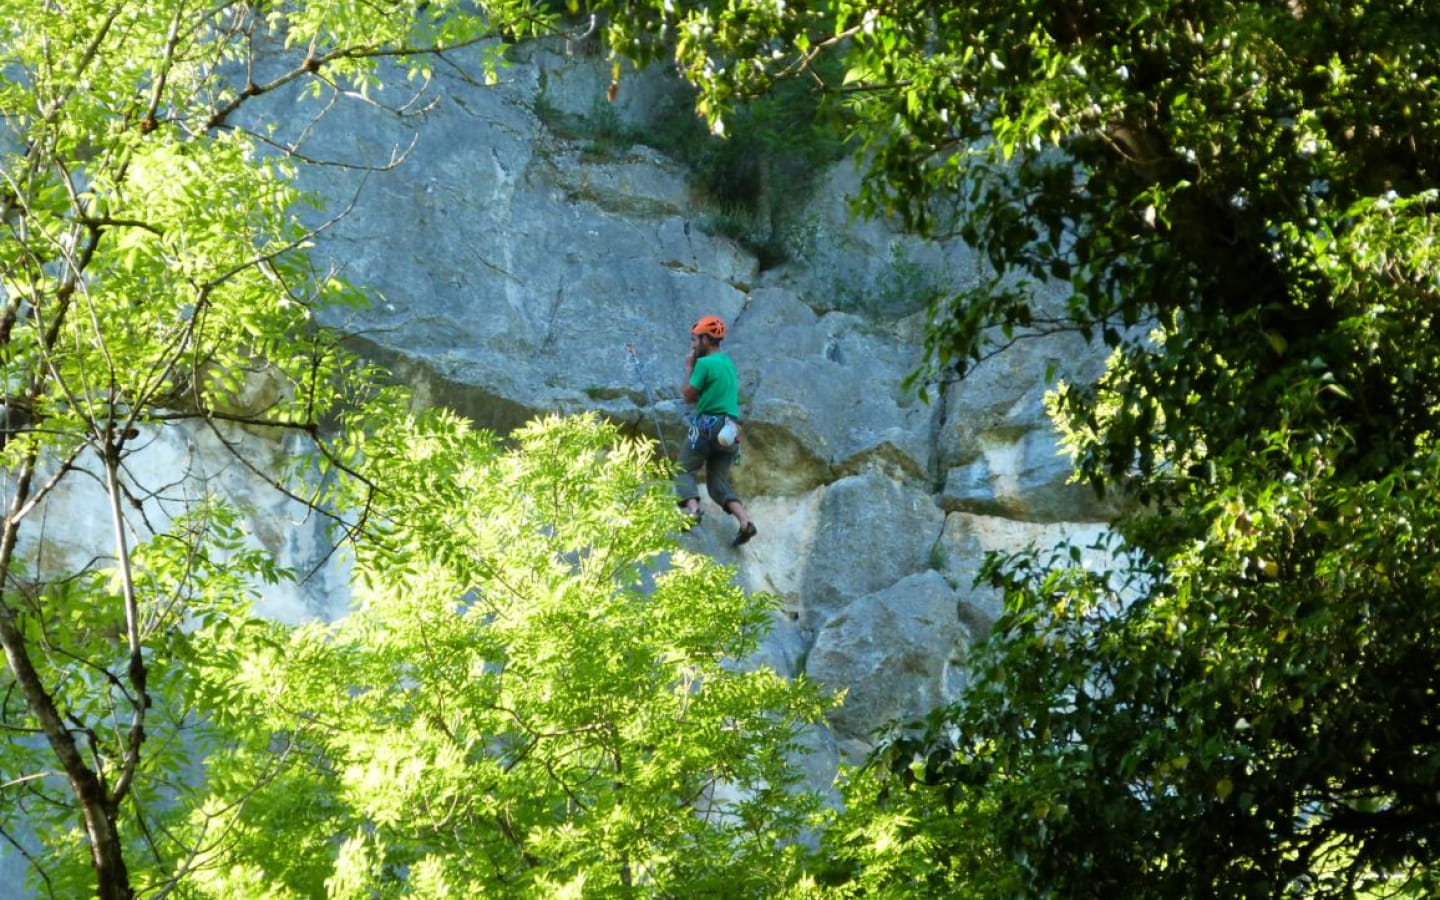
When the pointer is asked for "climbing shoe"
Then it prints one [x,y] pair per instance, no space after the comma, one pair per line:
[745,533]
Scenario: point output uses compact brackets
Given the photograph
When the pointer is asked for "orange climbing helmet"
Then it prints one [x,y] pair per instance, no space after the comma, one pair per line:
[713,326]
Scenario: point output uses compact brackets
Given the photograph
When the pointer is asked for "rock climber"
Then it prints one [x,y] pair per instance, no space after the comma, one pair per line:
[713,385]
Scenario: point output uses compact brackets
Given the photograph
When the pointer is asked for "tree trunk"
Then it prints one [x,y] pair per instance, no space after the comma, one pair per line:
[112,876]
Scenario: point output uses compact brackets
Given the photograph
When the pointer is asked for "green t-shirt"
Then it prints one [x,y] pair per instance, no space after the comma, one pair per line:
[719,386]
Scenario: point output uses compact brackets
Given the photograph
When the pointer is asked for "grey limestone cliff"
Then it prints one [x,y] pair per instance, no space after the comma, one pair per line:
[522,271]
[517,268]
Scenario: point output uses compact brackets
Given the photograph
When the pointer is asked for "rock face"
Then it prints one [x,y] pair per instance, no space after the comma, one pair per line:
[520,270]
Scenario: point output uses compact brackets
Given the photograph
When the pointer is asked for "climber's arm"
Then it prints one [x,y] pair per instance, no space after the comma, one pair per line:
[689,391]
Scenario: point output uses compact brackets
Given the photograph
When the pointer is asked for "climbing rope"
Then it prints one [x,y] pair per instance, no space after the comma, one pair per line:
[638,373]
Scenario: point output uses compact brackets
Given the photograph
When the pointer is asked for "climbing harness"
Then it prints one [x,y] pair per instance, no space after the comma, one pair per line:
[703,428]
[721,429]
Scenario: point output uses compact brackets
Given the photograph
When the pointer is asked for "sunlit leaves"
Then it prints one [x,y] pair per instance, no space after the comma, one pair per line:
[196,582]
[539,687]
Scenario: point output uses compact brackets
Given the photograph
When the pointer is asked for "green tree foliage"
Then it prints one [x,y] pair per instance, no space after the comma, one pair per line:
[1241,197]
[153,273]
[538,694]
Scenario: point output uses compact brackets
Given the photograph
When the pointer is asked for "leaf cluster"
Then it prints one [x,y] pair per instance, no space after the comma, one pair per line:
[539,693]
